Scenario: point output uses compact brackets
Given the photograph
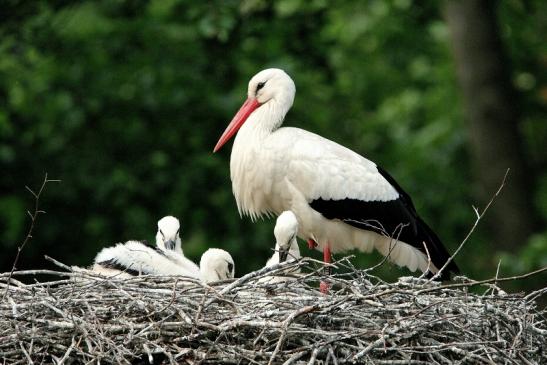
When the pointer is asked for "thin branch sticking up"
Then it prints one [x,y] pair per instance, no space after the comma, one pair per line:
[33,218]
[479,217]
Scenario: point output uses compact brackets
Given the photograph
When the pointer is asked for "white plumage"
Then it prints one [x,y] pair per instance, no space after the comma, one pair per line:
[341,199]
[136,258]
[168,239]
[286,245]
[216,265]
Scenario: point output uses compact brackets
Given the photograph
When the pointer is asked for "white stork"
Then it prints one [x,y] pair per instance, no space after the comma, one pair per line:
[168,239]
[342,200]
[285,231]
[215,265]
[135,257]
[286,245]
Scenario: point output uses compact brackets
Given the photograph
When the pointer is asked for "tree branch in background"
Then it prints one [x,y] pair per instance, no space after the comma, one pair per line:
[33,218]
[492,114]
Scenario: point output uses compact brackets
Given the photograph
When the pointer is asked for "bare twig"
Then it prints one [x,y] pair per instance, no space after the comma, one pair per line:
[393,240]
[479,217]
[286,324]
[33,218]
[471,283]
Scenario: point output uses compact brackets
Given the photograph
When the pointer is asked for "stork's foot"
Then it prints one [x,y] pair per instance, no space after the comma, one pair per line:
[324,287]
[312,244]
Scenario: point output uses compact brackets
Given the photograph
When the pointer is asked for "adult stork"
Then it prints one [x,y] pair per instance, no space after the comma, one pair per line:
[342,200]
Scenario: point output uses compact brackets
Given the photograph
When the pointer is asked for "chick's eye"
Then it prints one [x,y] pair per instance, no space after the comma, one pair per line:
[162,233]
[230,267]
[178,230]
[260,86]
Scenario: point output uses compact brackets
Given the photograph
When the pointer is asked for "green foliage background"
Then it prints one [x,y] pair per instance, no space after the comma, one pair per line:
[124,100]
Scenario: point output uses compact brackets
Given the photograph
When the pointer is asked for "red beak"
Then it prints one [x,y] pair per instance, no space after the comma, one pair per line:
[246,109]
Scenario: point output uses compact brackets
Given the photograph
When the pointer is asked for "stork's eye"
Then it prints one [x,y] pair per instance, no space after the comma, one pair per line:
[178,230]
[230,267]
[162,234]
[260,86]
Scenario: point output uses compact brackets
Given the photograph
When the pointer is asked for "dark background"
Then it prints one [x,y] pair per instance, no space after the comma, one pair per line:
[124,100]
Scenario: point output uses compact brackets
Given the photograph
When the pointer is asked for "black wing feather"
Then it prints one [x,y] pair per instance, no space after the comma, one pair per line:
[116,265]
[396,218]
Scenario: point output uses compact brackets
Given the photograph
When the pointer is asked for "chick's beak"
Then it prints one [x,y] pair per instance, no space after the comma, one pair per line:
[283,253]
[170,244]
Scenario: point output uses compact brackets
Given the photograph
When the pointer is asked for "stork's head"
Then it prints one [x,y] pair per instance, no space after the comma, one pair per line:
[272,84]
[269,86]
[285,232]
[168,237]
[215,265]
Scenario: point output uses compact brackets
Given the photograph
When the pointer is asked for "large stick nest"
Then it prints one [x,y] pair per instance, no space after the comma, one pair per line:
[82,318]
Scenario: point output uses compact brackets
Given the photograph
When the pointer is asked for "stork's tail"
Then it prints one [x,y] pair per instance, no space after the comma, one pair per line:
[437,252]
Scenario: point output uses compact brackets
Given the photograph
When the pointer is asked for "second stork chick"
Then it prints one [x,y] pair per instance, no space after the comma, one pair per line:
[286,245]
[216,265]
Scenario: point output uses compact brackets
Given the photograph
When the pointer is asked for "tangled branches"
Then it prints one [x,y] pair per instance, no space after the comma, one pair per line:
[82,318]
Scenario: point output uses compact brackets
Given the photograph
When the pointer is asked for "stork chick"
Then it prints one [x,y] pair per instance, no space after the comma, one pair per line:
[168,239]
[135,258]
[286,246]
[216,265]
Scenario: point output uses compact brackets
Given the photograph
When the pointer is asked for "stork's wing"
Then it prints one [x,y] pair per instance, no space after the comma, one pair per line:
[134,258]
[340,184]
[322,169]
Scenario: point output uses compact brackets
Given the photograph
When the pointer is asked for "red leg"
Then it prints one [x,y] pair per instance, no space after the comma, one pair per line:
[312,244]
[327,258]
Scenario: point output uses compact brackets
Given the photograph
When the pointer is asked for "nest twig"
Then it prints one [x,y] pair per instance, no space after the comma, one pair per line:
[82,318]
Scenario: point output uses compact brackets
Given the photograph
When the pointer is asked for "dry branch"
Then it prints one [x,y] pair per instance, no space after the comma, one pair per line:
[33,218]
[80,317]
